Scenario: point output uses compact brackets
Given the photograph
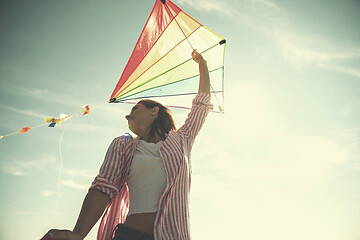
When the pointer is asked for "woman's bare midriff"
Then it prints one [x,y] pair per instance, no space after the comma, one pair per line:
[141,221]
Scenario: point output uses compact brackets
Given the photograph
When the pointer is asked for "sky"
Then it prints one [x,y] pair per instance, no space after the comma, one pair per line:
[282,162]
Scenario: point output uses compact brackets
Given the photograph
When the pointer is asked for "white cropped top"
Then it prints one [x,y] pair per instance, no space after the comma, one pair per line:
[147,178]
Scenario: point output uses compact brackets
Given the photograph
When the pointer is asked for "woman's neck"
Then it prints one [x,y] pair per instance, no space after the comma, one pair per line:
[145,135]
[149,139]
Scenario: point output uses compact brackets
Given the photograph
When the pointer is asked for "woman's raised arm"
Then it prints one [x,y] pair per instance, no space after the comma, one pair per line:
[204,83]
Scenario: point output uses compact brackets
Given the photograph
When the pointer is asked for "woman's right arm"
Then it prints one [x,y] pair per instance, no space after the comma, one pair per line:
[93,207]
[104,188]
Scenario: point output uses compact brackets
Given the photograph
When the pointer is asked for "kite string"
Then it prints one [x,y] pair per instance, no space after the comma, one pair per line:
[61,156]
[60,174]
[60,169]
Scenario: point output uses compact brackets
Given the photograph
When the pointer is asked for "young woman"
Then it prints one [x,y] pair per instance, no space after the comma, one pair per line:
[144,183]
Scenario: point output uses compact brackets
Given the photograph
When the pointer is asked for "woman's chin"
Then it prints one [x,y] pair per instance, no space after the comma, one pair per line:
[133,129]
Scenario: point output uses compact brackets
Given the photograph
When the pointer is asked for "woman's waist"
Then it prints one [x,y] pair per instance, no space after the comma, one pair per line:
[141,221]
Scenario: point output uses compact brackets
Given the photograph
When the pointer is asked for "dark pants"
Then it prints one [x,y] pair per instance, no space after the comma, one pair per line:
[125,233]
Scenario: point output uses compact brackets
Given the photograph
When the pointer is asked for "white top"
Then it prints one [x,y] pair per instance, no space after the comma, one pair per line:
[147,178]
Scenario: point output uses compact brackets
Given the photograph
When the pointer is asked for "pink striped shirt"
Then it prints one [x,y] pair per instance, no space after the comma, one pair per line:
[172,220]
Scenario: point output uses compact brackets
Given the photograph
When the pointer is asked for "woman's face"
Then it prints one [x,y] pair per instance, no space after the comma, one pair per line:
[141,118]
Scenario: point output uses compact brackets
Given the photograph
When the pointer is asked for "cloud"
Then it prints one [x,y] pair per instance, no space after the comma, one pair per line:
[28,167]
[79,126]
[205,5]
[253,207]
[14,170]
[304,159]
[31,213]
[79,174]
[349,139]
[356,166]
[262,184]
[40,94]
[272,21]
[25,112]
[347,70]
[249,148]
[48,193]
[228,7]
[73,184]
[308,51]
[82,173]
[252,147]
[276,212]
[68,177]
[278,159]
[267,3]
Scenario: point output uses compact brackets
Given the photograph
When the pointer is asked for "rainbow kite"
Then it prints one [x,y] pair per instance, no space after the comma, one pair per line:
[161,64]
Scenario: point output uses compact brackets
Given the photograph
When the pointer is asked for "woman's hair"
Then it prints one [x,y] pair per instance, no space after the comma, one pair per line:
[164,123]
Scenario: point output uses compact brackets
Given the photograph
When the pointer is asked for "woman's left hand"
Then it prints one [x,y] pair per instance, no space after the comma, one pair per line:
[197,57]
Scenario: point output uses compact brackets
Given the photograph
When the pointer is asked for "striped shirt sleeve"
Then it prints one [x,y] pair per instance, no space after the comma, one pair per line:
[200,108]
[107,180]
